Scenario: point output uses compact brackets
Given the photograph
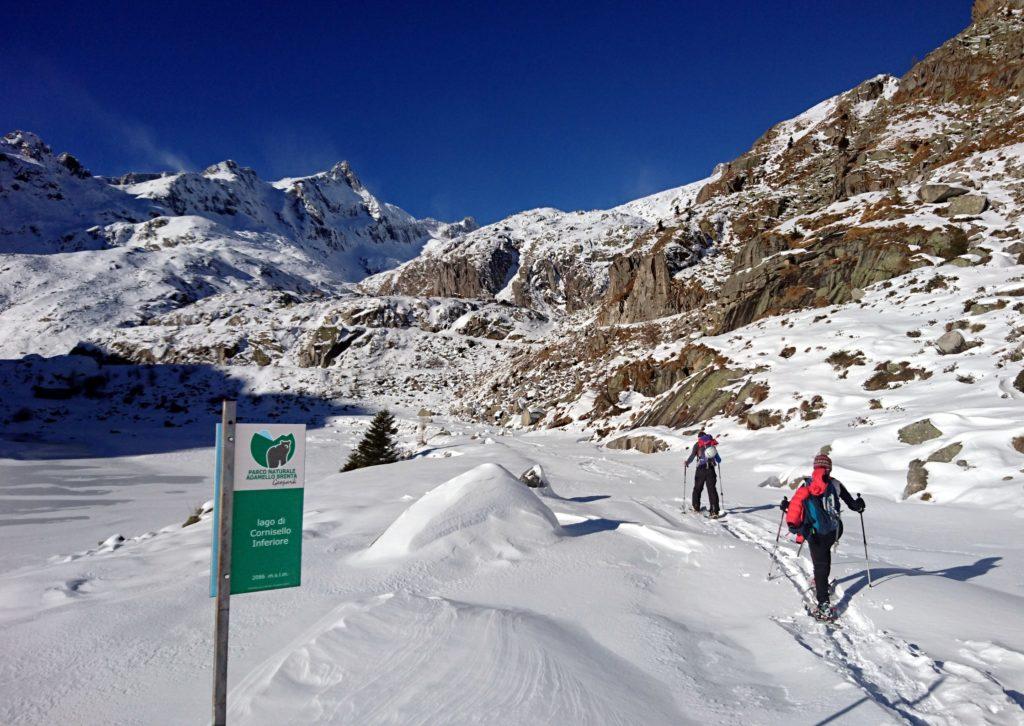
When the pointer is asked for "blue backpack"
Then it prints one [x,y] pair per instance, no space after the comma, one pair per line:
[821,514]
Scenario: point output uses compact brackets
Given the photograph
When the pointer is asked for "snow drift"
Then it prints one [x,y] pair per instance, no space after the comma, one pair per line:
[365,663]
[485,513]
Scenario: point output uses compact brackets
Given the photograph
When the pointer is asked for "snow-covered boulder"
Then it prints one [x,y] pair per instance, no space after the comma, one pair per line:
[485,513]
[534,477]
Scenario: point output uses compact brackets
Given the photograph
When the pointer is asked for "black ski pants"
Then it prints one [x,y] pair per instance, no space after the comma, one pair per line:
[703,475]
[820,546]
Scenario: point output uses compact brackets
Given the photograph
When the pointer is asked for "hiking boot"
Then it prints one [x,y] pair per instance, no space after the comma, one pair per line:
[824,611]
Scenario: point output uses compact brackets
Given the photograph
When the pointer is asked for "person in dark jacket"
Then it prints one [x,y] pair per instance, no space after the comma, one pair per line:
[705,452]
[814,515]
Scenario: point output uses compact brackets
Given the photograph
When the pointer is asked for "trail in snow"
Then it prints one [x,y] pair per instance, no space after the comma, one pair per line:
[894,673]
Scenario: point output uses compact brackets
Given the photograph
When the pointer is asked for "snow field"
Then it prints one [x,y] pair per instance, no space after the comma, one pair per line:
[442,589]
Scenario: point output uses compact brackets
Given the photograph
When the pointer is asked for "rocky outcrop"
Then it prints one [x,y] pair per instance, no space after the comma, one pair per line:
[644,443]
[917,478]
[534,477]
[968,205]
[986,8]
[642,287]
[454,276]
[704,395]
[918,432]
[325,344]
[826,270]
[983,61]
[938,193]
[947,453]
[762,419]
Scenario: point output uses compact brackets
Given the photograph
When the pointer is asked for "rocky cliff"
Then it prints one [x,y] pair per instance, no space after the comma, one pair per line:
[892,176]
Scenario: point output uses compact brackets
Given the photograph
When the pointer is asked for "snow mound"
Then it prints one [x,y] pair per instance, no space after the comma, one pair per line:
[404,658]
[485,513]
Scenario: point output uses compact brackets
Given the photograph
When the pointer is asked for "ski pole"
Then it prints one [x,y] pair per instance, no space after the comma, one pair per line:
[863,534]
[775,549]
[721,485]
[686,498]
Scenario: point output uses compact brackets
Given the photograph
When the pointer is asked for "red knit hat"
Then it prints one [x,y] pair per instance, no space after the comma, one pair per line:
[821,461]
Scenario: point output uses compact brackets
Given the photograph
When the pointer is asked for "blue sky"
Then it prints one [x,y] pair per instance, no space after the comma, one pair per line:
[447,109]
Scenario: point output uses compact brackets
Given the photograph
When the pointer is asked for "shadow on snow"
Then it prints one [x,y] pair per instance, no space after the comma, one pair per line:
[74,406]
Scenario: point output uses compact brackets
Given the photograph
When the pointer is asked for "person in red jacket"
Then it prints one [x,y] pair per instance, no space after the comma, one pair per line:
[814,515]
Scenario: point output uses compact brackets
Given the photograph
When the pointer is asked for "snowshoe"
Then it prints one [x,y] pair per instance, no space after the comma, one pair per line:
[822,612]
[715,515]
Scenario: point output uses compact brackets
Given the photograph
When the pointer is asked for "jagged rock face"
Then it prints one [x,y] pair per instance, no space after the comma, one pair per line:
[551,261]
[983,62]
[825,271]
[882,134]
[687,389]
[328,214]
[987,8]
[545,259]
[51,203]
[451,275]
[647,285]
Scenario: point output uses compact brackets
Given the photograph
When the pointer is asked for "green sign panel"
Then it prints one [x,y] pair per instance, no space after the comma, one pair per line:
[266,525]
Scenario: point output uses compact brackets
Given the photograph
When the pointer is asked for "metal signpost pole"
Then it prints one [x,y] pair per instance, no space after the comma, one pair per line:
[220,633]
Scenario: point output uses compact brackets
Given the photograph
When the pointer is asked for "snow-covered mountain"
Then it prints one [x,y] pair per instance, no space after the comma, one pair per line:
[860,209]
[81,252]
[852,285]
[544,259]
[51,203]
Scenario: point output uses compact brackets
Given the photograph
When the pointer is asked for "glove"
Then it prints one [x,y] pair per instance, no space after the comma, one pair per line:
[799,539]
[784,505]
[858,505]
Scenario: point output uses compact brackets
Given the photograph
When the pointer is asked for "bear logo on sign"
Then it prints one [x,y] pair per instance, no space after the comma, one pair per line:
[277,455]
[271,452]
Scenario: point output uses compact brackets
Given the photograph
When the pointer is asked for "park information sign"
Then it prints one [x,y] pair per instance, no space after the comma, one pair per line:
[266,522]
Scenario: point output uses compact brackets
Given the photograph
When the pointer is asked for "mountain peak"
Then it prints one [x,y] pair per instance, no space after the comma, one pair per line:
[29,144]
[343,170]
[227,169]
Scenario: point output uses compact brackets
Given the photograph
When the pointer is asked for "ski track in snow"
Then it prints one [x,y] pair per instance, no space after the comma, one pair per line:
[895,674]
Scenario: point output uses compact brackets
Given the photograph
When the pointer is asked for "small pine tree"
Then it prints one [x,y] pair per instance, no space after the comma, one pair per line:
[377,446]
